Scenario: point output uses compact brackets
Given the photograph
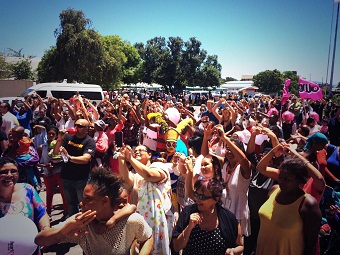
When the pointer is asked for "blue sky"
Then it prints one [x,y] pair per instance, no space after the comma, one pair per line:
[247,36]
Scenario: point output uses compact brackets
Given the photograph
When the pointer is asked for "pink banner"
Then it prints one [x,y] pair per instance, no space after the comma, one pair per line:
[285,94]
[308,89]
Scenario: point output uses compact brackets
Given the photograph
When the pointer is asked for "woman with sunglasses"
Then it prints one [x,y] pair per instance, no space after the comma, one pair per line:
[236,172]
[206,227]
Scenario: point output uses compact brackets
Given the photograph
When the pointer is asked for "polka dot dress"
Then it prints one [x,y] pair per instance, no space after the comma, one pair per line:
[205,242]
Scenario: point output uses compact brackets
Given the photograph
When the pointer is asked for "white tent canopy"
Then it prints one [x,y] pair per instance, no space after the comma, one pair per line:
[236,85]
[142,85]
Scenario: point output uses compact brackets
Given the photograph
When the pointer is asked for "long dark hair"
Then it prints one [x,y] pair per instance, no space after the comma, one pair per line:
[195,142]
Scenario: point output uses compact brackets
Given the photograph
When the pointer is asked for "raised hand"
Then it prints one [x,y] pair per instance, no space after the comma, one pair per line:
[208,131]
[75,227]
[195,219]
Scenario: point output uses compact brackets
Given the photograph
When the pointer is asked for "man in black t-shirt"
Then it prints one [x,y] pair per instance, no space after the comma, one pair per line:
[78,149]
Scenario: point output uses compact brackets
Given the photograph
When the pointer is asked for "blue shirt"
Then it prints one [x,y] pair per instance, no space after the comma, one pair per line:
[211,116]
[25,119]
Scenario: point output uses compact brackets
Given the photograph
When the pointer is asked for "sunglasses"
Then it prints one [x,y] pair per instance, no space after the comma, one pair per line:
[80,126]
[5,172]
[201,196]
[171,144]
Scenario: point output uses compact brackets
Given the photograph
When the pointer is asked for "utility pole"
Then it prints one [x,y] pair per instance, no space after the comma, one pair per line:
[333,60]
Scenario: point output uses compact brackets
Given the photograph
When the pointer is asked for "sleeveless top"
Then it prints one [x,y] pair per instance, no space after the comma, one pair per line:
[281,231]
[236,199]
[228,127]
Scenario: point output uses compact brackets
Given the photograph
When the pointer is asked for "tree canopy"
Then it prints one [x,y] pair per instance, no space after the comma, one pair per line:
[78,52]
[5,70]
[22,70]
[176,64]
[82,54]
[269,81]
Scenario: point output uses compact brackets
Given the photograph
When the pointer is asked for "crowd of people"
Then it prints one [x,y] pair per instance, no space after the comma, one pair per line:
[145,171]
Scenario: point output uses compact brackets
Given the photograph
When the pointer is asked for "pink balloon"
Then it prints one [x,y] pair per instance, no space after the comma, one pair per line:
[288,116]
[173,115]
[315,116]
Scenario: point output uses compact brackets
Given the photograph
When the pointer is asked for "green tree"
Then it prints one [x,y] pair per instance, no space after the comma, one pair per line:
[269,81]
[132,65]
[5,70]
[230,79]
[154,56]
[78,54]
[171,63]
[176,64]
[113,61]
[193,57]
[22,70]
[47,67]
[211,72]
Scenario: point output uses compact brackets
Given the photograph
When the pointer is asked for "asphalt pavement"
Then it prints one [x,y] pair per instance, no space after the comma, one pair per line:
[57,217]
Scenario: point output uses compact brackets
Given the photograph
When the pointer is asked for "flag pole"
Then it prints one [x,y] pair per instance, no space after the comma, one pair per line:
[335,36]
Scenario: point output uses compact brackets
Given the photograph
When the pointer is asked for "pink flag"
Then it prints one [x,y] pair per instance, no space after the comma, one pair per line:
[285,94]
[308,89]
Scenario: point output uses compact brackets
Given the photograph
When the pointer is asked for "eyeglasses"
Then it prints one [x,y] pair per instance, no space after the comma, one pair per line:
[140,150]
[201,196]
[171,144]
[6,171]
[80,126]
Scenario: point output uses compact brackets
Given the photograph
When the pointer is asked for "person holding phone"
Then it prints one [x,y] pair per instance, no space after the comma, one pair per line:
[78,149]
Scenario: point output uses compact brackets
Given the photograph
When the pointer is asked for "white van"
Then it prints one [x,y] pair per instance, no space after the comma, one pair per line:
[66,90]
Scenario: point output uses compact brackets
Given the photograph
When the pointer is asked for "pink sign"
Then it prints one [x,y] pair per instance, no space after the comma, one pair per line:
[308,89]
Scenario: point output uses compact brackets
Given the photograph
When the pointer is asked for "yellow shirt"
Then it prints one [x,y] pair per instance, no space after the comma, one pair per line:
[281,231]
